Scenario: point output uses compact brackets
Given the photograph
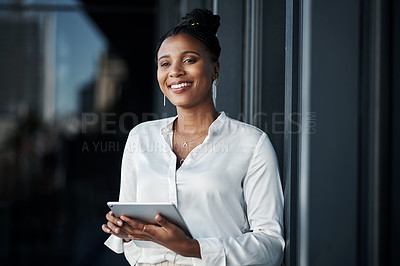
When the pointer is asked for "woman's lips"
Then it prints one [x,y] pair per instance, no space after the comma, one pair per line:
[180,87]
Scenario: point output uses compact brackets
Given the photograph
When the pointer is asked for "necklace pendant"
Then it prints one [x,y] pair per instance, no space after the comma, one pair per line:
[181,161]
[184,144]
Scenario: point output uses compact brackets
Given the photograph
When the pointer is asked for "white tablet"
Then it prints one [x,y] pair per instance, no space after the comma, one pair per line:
[146,212]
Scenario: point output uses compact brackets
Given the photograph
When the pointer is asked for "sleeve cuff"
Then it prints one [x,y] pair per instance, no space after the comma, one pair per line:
[115,244]
[212,252]
[131,251]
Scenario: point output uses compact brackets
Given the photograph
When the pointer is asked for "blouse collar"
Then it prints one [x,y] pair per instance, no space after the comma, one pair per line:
[214,128]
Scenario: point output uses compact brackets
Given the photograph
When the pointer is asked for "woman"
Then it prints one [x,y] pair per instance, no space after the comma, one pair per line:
[222,174]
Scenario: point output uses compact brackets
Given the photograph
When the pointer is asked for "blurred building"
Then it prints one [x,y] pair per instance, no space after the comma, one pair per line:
[108,87]
[27,51]
[27,94]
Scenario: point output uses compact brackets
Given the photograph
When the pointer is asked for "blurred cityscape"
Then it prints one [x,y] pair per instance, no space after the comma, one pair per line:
[58,169]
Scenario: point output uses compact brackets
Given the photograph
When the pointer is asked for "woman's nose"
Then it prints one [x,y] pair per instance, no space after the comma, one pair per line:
[176,70]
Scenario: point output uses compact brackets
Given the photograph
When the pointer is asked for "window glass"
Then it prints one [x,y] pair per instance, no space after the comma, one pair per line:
[57,64]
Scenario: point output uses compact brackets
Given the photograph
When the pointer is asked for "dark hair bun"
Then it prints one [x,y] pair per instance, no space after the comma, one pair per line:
[203,17]
[201,24]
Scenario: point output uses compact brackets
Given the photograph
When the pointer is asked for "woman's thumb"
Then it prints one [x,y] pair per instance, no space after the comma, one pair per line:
[161,221]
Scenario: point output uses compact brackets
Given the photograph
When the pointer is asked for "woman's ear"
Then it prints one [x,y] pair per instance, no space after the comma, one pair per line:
[216,70]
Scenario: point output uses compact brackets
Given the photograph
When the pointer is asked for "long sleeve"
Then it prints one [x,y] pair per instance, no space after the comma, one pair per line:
[264,243]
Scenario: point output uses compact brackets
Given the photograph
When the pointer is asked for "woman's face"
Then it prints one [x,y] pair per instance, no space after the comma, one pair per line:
[185,71]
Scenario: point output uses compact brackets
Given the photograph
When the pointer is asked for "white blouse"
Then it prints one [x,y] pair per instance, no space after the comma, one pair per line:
[228,191]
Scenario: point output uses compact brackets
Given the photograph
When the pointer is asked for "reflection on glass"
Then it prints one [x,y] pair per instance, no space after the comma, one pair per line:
[48,60]
[55,65]
[79,47]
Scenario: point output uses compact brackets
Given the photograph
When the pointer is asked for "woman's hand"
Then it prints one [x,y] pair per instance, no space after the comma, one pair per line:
[115,227]
[165,233]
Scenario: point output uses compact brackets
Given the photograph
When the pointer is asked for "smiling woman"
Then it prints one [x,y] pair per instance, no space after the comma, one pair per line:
[186,72]
[231,198]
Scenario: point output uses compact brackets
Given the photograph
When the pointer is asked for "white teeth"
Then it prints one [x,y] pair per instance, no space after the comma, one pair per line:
[177,86]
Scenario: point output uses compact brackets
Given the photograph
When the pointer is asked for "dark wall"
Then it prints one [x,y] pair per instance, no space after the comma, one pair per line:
[350,203]
[394,184]
[230,34]
[272,113]
[333,172]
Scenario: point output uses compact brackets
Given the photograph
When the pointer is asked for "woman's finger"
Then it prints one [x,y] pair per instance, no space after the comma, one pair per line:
[113,227]
[134,228]
[134,224]
[106,229]
[112,218]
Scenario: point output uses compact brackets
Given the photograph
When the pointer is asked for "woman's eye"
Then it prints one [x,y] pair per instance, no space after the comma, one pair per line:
[164,64]
[189,60]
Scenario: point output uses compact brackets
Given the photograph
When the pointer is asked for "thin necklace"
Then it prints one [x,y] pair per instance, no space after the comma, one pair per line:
[185,142]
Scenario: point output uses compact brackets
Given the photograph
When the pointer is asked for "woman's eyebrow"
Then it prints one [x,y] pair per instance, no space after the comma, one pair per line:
[191,52]
[185,52]
[164,56]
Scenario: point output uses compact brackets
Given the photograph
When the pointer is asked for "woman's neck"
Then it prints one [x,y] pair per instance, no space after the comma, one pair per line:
[195,120]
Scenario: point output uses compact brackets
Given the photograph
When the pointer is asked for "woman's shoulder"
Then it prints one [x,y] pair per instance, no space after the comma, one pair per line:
[249,136]
[236,126]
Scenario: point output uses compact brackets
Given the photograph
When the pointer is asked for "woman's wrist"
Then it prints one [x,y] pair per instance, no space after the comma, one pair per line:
[126,240]
[191,249]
